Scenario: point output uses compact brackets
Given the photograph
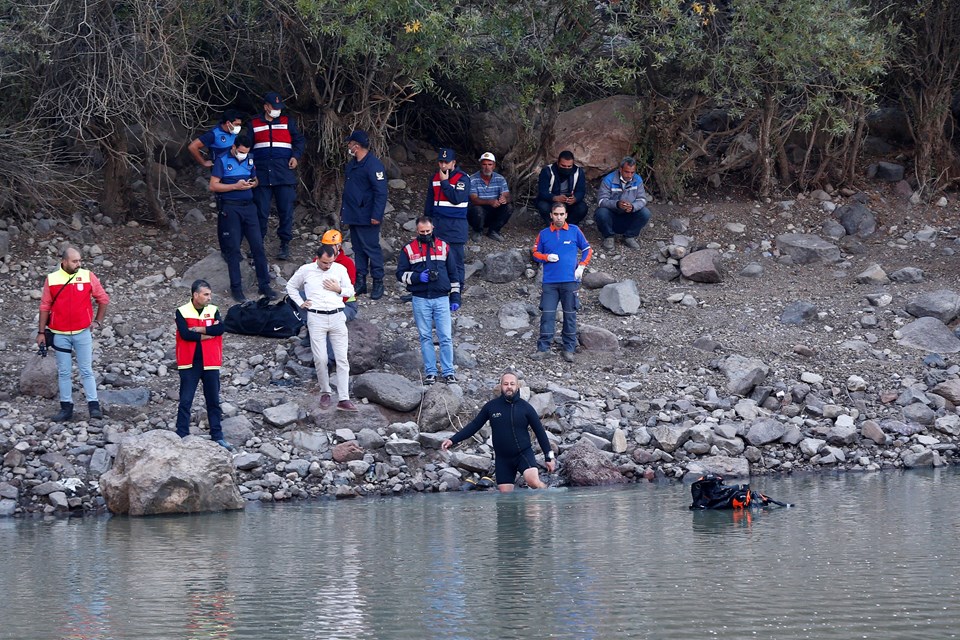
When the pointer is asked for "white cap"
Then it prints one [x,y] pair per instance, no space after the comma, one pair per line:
[488,156]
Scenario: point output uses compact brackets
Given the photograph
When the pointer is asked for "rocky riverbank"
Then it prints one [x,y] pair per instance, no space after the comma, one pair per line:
[743,337]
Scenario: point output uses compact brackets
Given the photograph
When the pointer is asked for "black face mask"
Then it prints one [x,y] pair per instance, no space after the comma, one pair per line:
[425,238]
[565,173]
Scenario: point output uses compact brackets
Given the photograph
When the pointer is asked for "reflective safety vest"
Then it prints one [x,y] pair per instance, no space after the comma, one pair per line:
[442,206]
[212,349]
[72,310]
[274,134]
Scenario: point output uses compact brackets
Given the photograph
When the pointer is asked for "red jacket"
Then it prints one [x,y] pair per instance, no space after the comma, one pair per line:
[72,311]
[186,349]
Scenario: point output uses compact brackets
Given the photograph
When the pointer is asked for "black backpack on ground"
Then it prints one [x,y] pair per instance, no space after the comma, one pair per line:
[709,492]
[262,318]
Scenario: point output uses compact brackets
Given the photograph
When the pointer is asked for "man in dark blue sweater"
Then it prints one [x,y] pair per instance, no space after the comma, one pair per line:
[510,416]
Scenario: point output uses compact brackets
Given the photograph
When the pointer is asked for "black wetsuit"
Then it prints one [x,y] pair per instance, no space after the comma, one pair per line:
[509,420]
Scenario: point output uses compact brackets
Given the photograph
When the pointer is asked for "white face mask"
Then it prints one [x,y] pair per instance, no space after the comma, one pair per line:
[351,152]
[242,156]
[274,113]
[235,130]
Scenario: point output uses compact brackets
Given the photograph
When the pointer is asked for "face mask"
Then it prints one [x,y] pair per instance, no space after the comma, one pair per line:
[235,130]
[425,238]
[242,156]
[564,173]
[274,113]
[351,152]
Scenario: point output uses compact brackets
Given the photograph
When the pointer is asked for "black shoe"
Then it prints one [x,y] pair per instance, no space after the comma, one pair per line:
[450,379]
[284,252]
[431,379]
[93,407]
[361,287]
[268,293]
[475,236]
[406,298]
[65,413]
[495,235]
[237,294]
[377,292]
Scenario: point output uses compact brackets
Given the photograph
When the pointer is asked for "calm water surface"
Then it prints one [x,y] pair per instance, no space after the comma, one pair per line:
[861,556]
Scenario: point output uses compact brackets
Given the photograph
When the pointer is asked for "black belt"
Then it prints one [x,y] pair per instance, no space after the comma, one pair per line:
[325,313]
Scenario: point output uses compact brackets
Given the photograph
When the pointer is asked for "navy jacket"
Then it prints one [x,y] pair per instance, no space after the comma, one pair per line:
[364,191]
[548,185]
[416,257]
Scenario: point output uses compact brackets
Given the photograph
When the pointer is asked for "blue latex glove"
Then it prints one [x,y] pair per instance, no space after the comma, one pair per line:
[424,276]
[454,306]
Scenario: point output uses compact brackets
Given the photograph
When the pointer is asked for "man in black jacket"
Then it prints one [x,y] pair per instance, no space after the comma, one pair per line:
[564,182]
[428,268]
[509,417]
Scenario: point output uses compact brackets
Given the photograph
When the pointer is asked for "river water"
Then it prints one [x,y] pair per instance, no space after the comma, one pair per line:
[860,556]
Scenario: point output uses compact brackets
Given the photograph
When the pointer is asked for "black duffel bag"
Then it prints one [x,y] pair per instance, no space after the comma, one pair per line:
[281,319]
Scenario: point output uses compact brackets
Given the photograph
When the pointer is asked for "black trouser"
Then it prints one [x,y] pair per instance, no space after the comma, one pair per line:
[189,379]
[484,216]
[238,220]
[575,212]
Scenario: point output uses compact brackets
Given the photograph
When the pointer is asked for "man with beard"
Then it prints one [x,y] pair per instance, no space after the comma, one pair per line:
[565,183]
[66,308]
[489,200]
[510,416]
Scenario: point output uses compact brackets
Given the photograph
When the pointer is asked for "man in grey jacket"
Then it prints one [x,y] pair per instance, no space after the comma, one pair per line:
[621,205]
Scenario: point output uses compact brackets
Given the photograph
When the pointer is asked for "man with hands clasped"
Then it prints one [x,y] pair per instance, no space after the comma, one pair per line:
[326,284]
[564,252]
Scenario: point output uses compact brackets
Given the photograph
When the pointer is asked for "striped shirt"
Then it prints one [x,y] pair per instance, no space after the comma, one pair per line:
[491,191]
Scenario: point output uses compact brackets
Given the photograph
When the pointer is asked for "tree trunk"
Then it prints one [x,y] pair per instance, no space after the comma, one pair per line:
[764,149]
[115,198]
[936,163]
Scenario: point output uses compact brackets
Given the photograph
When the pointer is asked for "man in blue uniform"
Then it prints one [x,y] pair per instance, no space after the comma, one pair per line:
[446,204]
[277,149]
[218,140]
[233,178]
[510,416]
[364,200]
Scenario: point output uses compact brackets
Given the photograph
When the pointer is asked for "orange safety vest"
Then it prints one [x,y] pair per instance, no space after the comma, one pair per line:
[212,349]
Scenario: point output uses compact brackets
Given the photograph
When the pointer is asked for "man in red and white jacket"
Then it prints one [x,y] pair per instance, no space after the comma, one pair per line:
[66,308]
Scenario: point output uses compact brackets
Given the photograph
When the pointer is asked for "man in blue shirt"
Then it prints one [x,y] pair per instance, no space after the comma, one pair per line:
[489,200]
[621,205]
[233,178]
[218,140]
[364,200]
[564,252]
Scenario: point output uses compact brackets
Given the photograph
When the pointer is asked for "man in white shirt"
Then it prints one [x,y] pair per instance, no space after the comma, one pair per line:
[326,284]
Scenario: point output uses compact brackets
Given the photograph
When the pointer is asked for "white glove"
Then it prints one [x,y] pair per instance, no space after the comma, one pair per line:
[552,257]
[578,274]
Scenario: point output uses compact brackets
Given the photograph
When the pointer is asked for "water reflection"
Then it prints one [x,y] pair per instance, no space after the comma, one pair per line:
[873,555]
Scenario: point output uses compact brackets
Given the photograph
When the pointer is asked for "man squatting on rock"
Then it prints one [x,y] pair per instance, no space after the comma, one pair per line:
[326,284]
[621,205]
[563,182]
[66,307]
[489,200]
[199,357]
[510,416]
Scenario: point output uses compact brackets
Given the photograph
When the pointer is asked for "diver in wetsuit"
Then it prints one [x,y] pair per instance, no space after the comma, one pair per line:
[509,417]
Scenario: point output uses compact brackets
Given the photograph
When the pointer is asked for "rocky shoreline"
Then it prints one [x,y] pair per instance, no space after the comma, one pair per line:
[780,345]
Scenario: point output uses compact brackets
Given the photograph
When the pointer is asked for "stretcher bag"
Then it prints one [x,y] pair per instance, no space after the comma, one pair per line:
[280,319]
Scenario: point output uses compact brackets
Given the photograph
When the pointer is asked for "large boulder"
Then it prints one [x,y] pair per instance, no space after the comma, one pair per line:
[593,338]
[39,376]
[929,334]
[505,266]
[388,389]
[622,298]
[583,465]
[365,347]
[743,374]
[598,133]
[701,266]
[764,431]
[213,269]
[857,220]
[440,406]
[944,305]
[806,248]
[495,131]
[158,472]
[513,316]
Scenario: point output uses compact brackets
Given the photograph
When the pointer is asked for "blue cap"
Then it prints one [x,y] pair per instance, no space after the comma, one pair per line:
[446,155]
[360,137]
[273,99]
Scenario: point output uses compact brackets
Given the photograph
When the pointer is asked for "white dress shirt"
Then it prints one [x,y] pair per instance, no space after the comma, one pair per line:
[310,277]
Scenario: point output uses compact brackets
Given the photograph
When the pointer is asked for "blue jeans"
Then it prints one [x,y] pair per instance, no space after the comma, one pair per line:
[81,344]
[367,253]
[564,293]
[189,378]
[429,313]
[285,195]
[612,222]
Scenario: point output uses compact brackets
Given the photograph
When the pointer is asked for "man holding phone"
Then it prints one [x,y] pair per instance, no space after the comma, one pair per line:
[233,178]
[446,204]
[562,182]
